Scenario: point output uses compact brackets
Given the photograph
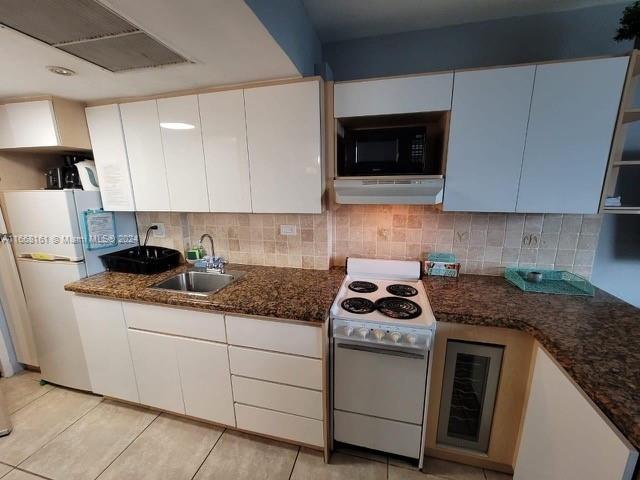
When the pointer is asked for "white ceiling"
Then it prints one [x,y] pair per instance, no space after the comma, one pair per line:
[337,20]
[223,37]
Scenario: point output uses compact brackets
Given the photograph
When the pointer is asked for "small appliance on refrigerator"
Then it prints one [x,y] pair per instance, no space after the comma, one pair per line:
[51,251]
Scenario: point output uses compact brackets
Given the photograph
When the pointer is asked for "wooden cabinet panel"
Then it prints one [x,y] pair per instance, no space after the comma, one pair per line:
[106,348]
[573,114]
[110,155]
[486,140]
[205,379]
[565,436]
[285,152]
[418,93]
[146,157]
[224,138]
[183,155]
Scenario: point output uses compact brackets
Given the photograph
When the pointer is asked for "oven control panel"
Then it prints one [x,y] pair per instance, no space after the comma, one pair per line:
[369,332]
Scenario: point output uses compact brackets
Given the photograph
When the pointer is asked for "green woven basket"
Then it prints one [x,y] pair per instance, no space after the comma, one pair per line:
[558,282]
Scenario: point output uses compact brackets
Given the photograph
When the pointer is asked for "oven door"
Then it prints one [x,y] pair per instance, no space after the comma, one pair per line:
[380,381]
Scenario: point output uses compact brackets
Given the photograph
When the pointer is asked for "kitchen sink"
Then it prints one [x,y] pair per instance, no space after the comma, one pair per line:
[199,283]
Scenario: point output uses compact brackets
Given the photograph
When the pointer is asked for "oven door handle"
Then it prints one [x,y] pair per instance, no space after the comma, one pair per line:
[383,351]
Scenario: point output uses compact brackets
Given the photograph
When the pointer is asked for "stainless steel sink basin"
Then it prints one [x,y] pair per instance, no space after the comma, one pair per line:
[199,283]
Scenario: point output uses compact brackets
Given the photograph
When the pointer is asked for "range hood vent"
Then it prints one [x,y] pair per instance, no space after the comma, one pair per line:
[402,191]
[88,30]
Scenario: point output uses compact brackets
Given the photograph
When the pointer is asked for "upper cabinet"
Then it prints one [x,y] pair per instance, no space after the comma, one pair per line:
[146,158]
[110,154]
[183,155]
[420,93]
[285,152]
[224,138]
[573,114]
[54,123]
[486,141]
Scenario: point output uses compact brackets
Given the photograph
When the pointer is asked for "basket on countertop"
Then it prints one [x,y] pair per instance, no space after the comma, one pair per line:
[558,282]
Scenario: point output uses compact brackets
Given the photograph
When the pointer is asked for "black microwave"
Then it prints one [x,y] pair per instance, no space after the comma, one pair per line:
[385,151]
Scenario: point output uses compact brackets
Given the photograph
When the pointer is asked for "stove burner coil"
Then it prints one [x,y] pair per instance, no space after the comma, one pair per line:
[362,287]
[358,305]
[402,290]
[398,308]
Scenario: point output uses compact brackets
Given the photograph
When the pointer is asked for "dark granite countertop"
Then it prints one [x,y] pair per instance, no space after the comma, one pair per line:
[284,293]
[595,339]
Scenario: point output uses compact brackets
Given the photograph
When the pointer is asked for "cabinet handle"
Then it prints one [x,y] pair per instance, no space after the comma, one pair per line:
[382,351]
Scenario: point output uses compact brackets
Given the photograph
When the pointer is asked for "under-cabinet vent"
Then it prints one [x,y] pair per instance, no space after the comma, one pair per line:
[88,30]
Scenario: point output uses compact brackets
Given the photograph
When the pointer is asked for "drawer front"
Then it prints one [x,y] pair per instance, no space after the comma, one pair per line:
[281,425]
[377,433]
[174,321]
[276,367]
[276,336]
[274,396]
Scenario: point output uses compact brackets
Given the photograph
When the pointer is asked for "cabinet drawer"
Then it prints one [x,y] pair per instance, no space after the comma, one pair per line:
[275,396]
[273,335]
[276,367]
[281,425]
[174,321]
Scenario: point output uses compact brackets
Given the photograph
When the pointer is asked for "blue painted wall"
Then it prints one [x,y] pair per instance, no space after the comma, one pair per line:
[576,33]
[289,24]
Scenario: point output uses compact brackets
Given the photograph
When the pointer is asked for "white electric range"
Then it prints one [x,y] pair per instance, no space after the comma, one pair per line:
[382,329]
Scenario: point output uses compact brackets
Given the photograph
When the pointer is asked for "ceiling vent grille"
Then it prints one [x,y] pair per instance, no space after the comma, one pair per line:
[88,30]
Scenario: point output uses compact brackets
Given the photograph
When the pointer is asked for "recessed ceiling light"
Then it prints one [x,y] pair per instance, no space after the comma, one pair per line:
[176,126]
[65,72]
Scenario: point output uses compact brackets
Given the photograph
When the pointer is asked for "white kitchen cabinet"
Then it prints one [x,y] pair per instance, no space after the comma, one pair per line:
[565,436]
[156,368]
[487,137]
[285,151]
[224,138]
[205,379]
[54,122]
[146,157]
[110,155]
[183,155]
[106,348]
[573,114]
[417,93]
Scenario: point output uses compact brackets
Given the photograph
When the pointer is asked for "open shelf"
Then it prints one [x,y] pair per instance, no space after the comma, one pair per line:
[631,115]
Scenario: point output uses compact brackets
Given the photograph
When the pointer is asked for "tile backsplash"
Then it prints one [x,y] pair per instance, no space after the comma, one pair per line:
[483,242]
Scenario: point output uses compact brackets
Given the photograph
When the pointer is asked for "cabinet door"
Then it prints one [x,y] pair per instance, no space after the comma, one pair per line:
[106,347]
[183,155]
[486,140]
[573,114]
[206,381]
[146,158]
[156,368]
[285,155]
[418,93]
[28,124]
[224,138]
[564,435]
[110,155]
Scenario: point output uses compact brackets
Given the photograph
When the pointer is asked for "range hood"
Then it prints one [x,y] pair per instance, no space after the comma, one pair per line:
[389,190]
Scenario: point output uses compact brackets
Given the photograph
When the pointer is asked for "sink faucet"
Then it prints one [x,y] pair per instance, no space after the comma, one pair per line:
[213,263]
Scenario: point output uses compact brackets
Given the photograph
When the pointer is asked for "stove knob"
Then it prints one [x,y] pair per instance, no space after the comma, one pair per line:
[411,339]
[379,334]
[363,332]
[395,336]
[348,330]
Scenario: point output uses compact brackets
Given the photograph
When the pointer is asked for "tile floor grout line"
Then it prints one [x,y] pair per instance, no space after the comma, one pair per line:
[130,443]
[61,431]
[208,454]
[295,460]
[30,402]
[31,473]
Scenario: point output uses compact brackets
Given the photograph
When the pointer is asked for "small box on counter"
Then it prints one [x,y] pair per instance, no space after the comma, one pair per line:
[442,269]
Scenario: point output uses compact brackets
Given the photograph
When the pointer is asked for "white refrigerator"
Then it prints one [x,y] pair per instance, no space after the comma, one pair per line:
[50,222]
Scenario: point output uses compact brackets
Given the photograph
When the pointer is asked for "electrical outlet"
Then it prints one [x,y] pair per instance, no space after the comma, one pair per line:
[288,229]
[159,233]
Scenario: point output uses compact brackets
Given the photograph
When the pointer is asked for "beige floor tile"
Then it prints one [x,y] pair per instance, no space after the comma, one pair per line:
[22,389]
[399,473]
[451,470]
[4,469]
[41,420]
[171,448]
[20,475]
[88,447]
[491,475]
[310,466]
[238,456]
